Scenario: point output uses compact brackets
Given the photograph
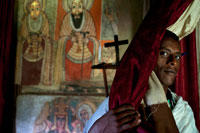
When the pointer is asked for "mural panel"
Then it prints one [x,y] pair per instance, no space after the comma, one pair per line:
[34,53]
[59,41]
[48,114]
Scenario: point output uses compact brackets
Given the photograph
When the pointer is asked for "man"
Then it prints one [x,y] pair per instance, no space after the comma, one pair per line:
[164,111]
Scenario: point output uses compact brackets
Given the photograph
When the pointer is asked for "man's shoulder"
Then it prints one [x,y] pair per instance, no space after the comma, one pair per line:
[183,115]
[181,104]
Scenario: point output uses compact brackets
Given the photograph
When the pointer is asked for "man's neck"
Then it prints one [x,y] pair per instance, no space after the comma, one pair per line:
[165,88]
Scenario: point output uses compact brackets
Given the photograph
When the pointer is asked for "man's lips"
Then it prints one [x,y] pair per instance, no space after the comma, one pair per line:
[170,71]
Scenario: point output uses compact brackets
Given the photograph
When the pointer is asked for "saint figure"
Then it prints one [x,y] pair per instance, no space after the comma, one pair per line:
[34,51]
[78,45]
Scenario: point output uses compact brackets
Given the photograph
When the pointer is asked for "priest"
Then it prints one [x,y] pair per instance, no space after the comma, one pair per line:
[159,106]
[145,73]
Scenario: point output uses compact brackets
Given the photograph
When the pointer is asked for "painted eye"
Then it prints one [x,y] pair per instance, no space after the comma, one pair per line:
[74,6]
[163,53]
[32,9]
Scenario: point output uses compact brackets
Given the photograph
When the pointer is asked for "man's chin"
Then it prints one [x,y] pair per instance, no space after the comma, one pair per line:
[168,82]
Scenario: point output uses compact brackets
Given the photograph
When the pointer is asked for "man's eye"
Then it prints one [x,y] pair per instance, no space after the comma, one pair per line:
[178,57]
[163,53]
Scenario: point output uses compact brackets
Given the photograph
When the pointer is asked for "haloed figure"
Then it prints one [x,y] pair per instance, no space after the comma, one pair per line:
[78,42]
[34,51]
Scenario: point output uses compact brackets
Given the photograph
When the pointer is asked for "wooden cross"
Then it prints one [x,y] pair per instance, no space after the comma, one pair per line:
[116,44]
[105,66]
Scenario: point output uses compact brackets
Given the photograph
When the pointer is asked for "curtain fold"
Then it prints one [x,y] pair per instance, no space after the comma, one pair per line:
[131,79]
[6,25]
[198,52]
[186,84]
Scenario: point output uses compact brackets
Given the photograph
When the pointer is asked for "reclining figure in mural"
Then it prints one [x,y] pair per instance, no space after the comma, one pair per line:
[78,44]
[34,51]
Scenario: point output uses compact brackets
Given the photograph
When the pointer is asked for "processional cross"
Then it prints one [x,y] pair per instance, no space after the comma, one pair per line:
[104,65]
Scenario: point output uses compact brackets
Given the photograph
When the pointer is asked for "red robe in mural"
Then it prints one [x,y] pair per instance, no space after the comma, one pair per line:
[34,52]
[77,49]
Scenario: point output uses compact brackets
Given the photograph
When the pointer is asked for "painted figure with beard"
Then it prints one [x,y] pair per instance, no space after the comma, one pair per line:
[78,45]
[34,51]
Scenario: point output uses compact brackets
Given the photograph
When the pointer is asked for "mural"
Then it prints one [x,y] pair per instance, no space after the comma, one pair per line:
[59,41]
[34,52]
[78,45]
[109,20]
[48,114]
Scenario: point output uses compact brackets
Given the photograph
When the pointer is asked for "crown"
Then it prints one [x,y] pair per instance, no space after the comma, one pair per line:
[60,106]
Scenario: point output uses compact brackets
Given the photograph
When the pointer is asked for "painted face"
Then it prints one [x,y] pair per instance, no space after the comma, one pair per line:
[84,115]
[60,121]
[77,8]
[168,61]
[34,9]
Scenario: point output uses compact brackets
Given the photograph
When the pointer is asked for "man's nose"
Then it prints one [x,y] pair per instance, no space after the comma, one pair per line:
[171,60]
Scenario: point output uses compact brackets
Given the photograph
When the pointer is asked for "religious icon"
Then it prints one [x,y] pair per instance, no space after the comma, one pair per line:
[78,45]
[109,20]
[66,115]
[34,51]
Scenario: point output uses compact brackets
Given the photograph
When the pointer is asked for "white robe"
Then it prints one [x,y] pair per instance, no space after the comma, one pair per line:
[182,113]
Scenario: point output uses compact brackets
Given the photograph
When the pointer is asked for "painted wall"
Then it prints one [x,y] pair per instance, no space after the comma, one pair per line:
[48,113]
[58,42]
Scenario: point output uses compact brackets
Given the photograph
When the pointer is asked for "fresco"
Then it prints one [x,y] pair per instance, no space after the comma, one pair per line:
[34,53]
[78,44]
[47,114]
[59,41]
[109,20]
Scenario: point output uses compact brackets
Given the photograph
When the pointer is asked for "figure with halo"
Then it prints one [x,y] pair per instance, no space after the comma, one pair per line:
[78,45]
[34,51]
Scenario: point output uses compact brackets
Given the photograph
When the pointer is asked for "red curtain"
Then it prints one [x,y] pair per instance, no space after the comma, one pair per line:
[6,26]
[187,79]
[131,79]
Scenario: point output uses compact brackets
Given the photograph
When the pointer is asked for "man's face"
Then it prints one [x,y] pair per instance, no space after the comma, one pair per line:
[168,61]
[34,10]
[77,8]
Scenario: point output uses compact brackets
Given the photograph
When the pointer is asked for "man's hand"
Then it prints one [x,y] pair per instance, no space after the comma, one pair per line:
[118,120]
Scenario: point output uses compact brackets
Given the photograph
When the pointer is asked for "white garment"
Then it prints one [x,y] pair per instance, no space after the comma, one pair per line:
[182,113]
